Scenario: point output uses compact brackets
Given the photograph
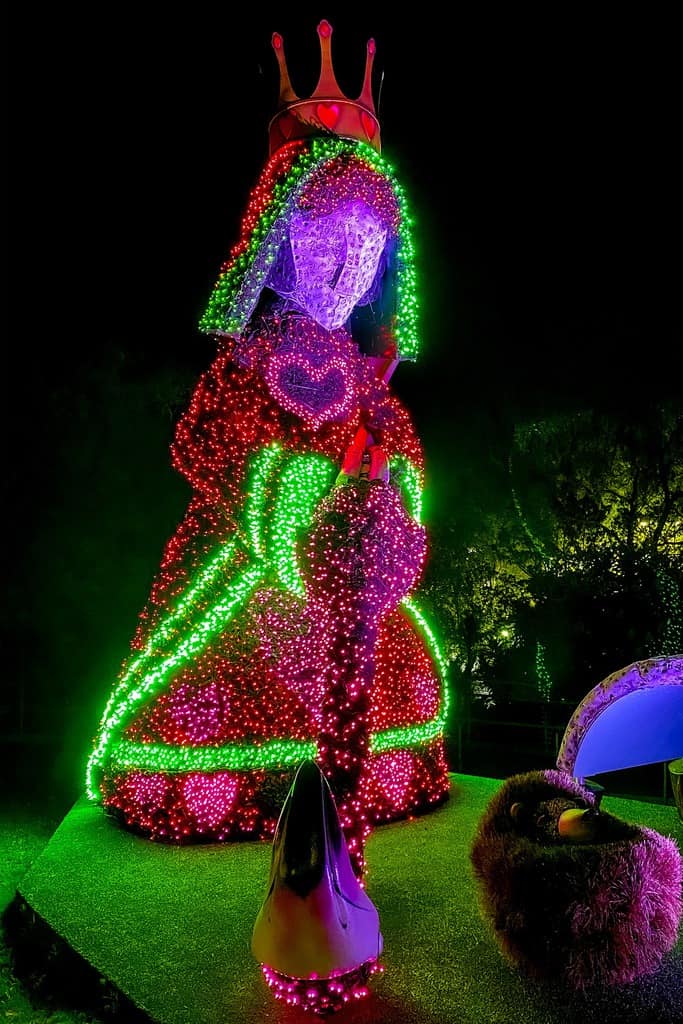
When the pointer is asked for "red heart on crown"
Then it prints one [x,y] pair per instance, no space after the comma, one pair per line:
[369,124]
[328,114]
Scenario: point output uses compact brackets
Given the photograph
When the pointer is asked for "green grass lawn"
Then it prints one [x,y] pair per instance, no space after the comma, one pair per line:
[24,832]
[170,925]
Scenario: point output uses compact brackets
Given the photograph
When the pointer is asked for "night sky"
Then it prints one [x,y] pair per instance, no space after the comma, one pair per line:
[540,153]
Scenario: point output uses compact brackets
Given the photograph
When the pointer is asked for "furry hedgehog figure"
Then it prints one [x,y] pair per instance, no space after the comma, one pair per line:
[572,892]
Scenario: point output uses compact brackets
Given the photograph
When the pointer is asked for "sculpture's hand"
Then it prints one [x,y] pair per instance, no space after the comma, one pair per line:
[364,460]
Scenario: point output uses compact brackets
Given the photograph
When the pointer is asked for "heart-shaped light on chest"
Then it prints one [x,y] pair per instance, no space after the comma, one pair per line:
[315,393]
[328,113]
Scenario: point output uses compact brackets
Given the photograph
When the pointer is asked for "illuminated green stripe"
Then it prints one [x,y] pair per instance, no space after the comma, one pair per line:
[159,757]
[207,577]
[304,481]
[423,732]
[409,479]
[154,681]
[236,757]
[422,624]
[262,468]
[406,736]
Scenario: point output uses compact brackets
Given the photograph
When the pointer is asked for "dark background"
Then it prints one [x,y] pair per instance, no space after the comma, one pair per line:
[540,151]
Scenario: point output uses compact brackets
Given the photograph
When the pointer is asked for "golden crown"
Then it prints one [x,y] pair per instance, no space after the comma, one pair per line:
[327,110]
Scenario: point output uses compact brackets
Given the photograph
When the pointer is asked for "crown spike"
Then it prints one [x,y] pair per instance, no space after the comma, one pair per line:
[327,86]
[365,97]
[287,94]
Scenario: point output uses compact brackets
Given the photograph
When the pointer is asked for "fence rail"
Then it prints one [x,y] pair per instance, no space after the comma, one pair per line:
[502,747]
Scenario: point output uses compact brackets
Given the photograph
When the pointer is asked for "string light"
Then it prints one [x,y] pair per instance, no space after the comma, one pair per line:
[672,637]
[323,995]
[544,682]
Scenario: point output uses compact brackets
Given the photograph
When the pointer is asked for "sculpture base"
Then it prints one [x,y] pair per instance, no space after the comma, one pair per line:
[322,996]
[170,927]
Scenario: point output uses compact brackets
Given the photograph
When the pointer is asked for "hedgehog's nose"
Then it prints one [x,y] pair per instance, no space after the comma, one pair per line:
[578,826]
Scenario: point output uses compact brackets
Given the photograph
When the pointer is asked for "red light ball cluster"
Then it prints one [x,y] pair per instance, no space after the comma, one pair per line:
[323,996]
[347,177]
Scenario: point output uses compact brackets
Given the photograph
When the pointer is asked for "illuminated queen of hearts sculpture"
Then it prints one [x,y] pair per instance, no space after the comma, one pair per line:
[282,625]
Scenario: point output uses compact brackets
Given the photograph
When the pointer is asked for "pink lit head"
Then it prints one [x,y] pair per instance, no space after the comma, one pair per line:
[331,261]
[337,240]
[325,201]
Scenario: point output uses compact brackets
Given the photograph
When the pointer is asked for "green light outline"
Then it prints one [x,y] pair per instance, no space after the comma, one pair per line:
[153,681]
[278,753]
[304,480]
[206,579]
[263,466]
[284,752]
[294,506]
[409,480]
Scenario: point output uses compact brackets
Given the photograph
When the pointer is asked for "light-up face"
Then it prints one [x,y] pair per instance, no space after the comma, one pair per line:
[331,261]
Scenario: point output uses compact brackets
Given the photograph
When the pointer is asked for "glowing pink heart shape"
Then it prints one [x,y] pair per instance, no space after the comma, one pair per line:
[394,773]
[209,796]
[328,113]
[313,393]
